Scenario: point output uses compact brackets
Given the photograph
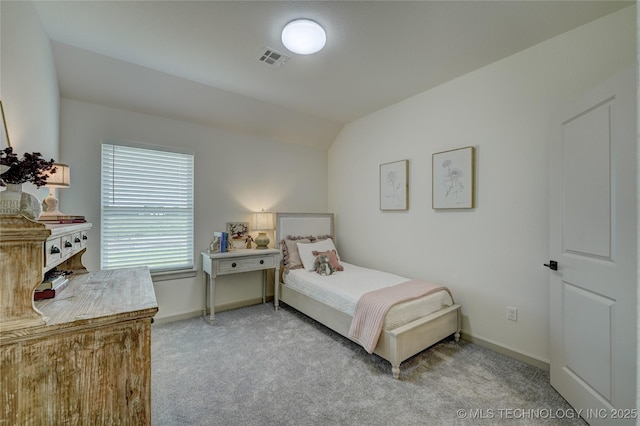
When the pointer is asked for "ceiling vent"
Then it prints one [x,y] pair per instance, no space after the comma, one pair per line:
[272,58]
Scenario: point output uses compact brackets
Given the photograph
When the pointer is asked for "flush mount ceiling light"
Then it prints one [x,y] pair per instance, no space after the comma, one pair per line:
[303,36]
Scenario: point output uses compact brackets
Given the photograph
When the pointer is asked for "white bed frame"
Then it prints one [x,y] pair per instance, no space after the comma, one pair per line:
[394,345]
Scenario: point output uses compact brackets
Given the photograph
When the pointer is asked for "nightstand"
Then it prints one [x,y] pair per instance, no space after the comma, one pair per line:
[234,262]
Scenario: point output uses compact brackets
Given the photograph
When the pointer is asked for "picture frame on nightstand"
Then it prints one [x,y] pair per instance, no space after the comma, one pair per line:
[238,230]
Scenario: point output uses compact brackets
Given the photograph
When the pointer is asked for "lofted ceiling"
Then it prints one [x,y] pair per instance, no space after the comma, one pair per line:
[198,60]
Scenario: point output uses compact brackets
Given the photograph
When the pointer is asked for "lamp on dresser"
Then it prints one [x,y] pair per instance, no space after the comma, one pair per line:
[262,222]
[60,179]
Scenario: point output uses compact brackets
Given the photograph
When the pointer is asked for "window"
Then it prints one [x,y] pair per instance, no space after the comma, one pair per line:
[147,208]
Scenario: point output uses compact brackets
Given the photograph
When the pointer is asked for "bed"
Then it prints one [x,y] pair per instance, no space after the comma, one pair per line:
[409,327]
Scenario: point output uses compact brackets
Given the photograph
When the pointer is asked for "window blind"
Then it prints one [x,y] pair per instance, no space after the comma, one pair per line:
[147,208]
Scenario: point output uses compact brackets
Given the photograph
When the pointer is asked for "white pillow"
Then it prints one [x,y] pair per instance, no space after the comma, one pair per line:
[305,250]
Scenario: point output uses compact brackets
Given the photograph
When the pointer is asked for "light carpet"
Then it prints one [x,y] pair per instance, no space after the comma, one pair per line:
[256,366]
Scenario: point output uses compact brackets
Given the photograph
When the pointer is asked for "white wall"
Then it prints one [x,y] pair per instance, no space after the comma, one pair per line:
[29,86]
[490,256]
[235,175]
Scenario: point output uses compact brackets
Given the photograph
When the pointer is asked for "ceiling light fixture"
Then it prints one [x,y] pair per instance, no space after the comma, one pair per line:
[303,36]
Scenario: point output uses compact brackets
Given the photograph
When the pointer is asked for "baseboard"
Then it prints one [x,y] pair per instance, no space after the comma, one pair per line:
[172,318]
[510,352]
[238,304]
[219,308]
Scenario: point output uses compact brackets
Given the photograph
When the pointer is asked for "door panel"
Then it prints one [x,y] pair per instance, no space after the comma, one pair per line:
[586,182]
[593,238]
[587,330]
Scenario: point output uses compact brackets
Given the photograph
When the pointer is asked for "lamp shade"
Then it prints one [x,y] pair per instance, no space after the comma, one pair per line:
[262,221]
[304,36]
[61,178]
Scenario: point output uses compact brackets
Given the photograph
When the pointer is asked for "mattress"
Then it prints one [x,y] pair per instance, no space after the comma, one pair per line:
[342,290]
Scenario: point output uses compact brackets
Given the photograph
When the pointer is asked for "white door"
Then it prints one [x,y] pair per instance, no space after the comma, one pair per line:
[593,240]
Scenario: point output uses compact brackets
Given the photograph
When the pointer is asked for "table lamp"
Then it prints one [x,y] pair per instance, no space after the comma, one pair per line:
[59,179]
[262,222]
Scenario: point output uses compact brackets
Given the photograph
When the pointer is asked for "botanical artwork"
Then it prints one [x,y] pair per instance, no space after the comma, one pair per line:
[237,230]
[394,185]
[453,179]
[4,132]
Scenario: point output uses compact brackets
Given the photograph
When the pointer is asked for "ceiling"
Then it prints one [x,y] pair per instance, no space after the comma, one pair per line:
[198,60]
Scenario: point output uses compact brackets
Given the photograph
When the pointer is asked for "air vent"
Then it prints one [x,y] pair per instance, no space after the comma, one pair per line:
[272,58]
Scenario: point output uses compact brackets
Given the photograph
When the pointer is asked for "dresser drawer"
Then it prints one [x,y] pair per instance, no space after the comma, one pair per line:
[66,247]
[62,247]
[245,264]
[52,251]
[83,238]
[64,242]
[76,240]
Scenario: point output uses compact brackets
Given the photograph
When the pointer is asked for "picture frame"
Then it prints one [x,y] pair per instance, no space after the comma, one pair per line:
[215,245]
[453,183]
[4,132]
[394,186]
[237,230]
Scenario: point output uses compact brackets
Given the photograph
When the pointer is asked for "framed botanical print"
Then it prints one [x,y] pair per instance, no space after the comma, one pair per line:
[394,185]
[237,230]
[4,132]
[453,179]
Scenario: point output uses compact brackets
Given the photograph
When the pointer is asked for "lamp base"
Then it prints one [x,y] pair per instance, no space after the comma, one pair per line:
[51,205]
[262,241]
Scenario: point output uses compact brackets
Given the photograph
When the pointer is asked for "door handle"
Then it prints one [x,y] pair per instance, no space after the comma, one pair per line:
[553,265]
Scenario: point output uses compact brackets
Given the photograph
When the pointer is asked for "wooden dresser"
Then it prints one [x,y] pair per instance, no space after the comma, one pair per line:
[83,357]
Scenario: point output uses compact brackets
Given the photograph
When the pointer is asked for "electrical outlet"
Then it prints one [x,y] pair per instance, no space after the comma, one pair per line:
[512,313]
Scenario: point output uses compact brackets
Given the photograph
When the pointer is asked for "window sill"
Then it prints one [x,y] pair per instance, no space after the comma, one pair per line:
[173,275]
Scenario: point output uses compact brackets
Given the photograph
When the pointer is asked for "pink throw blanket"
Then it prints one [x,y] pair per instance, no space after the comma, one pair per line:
[372,307]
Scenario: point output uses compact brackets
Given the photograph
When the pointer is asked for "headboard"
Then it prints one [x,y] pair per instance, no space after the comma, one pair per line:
[303,224]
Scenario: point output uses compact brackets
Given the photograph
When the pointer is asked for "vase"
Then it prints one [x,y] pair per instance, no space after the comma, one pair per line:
[14,201]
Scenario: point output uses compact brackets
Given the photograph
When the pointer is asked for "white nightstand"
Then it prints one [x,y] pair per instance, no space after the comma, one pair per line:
[234,262]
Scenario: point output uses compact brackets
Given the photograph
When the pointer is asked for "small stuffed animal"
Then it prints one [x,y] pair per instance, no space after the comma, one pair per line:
[322,265]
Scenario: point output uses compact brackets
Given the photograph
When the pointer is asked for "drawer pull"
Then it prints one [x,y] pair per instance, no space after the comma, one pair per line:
[55,250]
[77,240]
[84,237]
[67,243]
[262,261]
[233,265]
